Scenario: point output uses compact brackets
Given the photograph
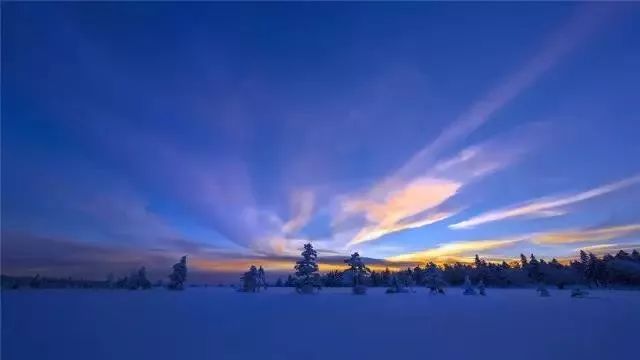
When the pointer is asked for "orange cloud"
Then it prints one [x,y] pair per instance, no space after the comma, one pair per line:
[386,216]
[455,250]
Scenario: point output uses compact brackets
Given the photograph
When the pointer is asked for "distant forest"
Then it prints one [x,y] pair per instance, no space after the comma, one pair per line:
[621,269]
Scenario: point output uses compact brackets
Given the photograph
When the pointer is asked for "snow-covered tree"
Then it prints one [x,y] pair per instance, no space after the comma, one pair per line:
[542,290]
[396,286]
[433,279]
[262,280]
[579,293]
[138,280]
[307,277]
[481,288]
[143,282]
[468,287]
[110,282]
[35,282]
[179,275]
[250,280]
[359,273]
[279,283]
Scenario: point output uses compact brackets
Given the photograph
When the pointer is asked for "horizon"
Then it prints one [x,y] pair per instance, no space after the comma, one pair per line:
[234,133]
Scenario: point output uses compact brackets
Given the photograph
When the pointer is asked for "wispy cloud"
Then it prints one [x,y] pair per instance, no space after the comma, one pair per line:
[302,204]
[602,249]
[423,200]
[457,249]
[586,235]
[384,197]
[544,207]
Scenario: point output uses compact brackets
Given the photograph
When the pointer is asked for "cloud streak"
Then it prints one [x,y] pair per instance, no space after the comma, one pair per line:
[544,207]
[385,195]
[456,250]
[587,235]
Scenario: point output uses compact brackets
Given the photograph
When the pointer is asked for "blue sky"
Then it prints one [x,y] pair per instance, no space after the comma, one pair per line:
[236,132]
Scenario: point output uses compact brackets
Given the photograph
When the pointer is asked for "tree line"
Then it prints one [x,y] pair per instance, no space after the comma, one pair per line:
[621,269]
[134,281]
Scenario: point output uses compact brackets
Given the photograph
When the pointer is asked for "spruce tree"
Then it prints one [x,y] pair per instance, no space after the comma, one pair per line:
[250,280]
[542,290]
[35,282]
[359,273]
[307,277]
[468,287]
[262,280]
[179,275]
[433,279]
[396,286]
[138,280]
[481,288]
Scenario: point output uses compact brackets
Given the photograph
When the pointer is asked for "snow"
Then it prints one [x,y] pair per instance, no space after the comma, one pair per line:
[221,323]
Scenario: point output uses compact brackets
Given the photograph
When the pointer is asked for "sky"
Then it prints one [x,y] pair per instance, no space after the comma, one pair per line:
[135,133]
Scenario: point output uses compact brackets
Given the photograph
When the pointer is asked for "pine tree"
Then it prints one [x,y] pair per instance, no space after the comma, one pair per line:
[534,269]
[279,283]
[291,281]
[468,287]
[386,277]
[395,286]
[250,280]
[143,282]
[542,290]
[35,282]
[481,288]
[433,279]
[359,272]
[262,280]
[307,278]
[110,282]
[179,275]
[523,261]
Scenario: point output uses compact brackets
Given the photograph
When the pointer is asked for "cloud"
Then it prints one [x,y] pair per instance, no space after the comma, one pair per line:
[25,253]
[602,249]
[385,196]
[424,200]
[559,44]
[456,250]
[543,207]
[302,205]
[575,236]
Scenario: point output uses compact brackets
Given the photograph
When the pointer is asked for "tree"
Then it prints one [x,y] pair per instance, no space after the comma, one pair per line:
[332,278]
[468,287]
[359,272]
[291,281]
[110,282]
[307,277]
[481,288]
[396,286]
[35,282]
[179,275]
[523,261]
[250,280]
[433,279]
[542,290]
[262,280]
[279,283]
[143,282]
[534,269]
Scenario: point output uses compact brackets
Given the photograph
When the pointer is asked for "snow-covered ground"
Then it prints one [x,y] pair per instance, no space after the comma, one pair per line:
[219,323]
